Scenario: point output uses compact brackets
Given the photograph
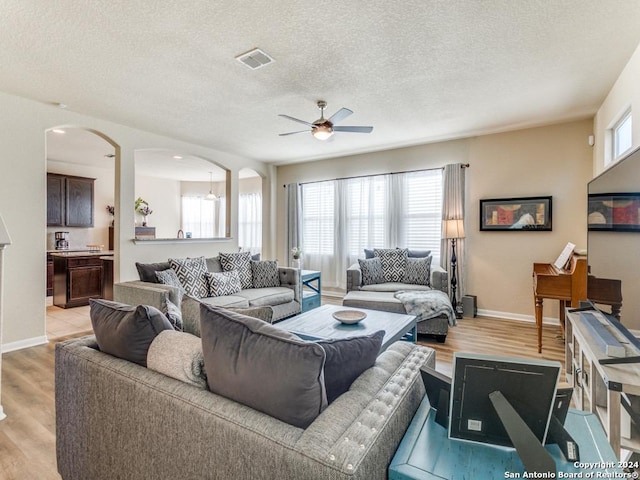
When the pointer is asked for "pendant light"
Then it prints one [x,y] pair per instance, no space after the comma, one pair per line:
[211,196]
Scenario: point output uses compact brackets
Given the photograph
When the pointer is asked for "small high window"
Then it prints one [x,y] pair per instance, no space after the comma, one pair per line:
[621,135]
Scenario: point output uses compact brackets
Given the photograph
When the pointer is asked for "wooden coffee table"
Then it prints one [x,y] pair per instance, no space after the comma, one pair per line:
[319,324]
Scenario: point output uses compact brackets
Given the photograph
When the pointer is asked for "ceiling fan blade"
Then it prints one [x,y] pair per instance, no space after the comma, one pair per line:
[340,115]
[353,129]
[296,120]
[293,133]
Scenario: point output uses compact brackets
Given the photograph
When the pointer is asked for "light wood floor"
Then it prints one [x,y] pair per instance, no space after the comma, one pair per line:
[27,435]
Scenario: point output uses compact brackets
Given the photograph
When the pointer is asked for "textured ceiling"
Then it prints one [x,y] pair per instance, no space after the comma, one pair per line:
[416,70]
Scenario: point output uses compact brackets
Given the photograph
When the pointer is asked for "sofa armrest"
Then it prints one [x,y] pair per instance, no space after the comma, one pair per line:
[290,278]
[354,277]
[439,279]
[145,293]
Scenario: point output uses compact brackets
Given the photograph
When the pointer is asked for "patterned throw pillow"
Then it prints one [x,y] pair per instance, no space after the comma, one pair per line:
[169,277]
[394,263]
[265,274]
[223,283]
[371,269]
[418,271]
[240,262]
[191,272]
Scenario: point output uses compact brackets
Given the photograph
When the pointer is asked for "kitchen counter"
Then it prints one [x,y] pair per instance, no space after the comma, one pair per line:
[80,253]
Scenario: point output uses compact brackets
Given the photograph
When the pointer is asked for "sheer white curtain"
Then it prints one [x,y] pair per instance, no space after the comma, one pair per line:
[250,222]
[198,217]
[343,217]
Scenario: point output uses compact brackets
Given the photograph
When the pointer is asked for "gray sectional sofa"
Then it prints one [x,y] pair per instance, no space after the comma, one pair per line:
[119,420]
[283,301]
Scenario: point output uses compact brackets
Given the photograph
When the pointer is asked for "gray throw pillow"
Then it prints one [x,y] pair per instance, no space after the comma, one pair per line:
[418,271]
[147,271]
[125,331]
[265,274]
[372,272]
[263,366]
[347,358]
[242,263]
[394,263]
[418,253]
[191,272]
[169,277]
[223,283]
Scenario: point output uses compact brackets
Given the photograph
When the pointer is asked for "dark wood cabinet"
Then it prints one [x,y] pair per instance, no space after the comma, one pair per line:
[49,275]
[69,201]
[55,200]
[76,279]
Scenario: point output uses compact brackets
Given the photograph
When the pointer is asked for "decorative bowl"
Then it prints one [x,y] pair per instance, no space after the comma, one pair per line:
[349,317]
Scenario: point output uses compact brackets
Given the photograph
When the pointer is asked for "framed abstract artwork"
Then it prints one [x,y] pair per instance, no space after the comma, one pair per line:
[516,214]
[614,212]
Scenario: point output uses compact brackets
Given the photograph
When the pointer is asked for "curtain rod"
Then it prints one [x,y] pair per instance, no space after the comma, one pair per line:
[463,165]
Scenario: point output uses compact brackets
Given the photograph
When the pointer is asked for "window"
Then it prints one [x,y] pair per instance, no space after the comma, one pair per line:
[203,218]
[621,133]
[250,222]
[342,217]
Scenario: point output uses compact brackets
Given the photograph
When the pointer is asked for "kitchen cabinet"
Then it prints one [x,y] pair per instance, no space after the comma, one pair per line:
[69,201]
[76,279]
[49,275]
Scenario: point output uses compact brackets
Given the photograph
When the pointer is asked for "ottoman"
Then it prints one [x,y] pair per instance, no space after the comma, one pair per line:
[386,302]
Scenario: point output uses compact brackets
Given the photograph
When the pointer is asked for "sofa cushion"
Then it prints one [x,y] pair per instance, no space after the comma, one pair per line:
[223,283]
[394,262]
[174,314]
[178,355]
[191,272]
[147,271]
[259,297]
[246,360]
[347,358]
[125,331]
[418,271]
[393,287]
[265,273]
[240,261]
[213,264]
[372,272]
[226,301]
[368,253]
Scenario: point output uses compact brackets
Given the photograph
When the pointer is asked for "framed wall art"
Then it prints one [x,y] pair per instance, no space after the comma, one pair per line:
[614,212]
[516,214]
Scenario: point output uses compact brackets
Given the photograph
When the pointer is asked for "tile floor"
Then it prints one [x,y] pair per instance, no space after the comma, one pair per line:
[66,321]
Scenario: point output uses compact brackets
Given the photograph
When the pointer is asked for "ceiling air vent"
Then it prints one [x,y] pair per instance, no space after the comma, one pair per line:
[255,59]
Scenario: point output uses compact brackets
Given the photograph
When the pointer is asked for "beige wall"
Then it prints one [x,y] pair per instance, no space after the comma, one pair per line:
[554,160]
[23,197]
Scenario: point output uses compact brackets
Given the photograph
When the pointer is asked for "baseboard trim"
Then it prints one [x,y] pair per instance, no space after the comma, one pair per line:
[517,316]
[26,343]
[2,415]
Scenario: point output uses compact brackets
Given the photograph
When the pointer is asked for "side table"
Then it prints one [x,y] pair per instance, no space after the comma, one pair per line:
[426,453]
[311,289]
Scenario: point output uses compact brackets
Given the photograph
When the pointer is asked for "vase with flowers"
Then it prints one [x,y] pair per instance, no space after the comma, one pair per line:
[296,255]
[111,210]
[142,207]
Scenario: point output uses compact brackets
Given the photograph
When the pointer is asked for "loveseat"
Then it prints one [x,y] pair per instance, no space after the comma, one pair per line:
[119,420]
[281,300]
[380,294]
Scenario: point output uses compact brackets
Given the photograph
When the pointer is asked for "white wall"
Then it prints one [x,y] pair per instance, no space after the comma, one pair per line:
[23,206]
[163,197]
[554,160]
[624,94]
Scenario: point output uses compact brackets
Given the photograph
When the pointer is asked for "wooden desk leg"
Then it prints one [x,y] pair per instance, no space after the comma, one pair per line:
[539,322]
[563,304]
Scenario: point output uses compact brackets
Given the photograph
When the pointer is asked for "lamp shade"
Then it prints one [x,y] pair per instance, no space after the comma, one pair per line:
[453,228]
[5,239]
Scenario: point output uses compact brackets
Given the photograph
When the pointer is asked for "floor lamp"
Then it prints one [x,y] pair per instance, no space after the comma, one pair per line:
[454,229]
[5,240]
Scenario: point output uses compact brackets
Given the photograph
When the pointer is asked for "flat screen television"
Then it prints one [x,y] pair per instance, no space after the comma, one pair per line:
[529,385]
[613,241]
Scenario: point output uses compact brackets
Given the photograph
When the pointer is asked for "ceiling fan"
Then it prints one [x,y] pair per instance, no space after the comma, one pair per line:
[323,128]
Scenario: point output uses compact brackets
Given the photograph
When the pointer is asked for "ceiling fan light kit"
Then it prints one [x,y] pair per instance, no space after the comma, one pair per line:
[322,129]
